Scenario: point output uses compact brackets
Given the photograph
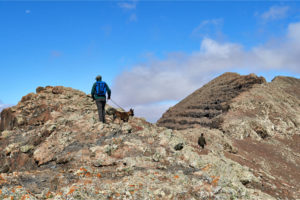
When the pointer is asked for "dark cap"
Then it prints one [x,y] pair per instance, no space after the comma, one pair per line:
[98,78]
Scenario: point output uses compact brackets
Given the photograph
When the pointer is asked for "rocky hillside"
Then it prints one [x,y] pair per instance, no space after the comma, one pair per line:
[261,119]
[53,147]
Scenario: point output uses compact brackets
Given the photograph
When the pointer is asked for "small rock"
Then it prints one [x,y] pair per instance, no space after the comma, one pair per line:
[39,89]
[63,160]
[230,149]
[26,148]
[10,148]
[178,146]
[217,189]
[6,134]
[57,90]
[126,128]
[156,157]
[4,169]
[206,178]
[104,160]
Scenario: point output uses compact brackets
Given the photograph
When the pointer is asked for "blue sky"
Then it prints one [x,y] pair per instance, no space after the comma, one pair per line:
[151,53]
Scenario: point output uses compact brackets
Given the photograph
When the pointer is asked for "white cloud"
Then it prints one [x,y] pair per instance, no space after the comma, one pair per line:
[27,11]
[131,5]
[178,75]
[151,111]
[275,12]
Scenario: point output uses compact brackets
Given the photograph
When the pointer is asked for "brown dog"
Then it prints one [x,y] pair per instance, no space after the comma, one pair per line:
[124,116]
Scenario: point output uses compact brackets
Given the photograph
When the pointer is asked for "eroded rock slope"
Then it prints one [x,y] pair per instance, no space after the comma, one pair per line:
[207,105]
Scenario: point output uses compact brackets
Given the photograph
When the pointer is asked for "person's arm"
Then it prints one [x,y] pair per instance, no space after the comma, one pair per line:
[93,91]
[108,91]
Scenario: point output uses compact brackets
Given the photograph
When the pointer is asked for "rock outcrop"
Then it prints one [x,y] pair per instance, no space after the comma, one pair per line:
[207,105]
[53,147]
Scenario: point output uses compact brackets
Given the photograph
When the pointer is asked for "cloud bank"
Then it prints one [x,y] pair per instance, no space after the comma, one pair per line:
[275,12]
[146,85]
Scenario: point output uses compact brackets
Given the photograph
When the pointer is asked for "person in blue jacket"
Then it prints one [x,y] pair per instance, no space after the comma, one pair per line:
[99,90]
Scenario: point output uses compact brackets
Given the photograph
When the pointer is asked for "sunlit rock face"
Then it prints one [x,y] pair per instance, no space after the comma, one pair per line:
[53,146]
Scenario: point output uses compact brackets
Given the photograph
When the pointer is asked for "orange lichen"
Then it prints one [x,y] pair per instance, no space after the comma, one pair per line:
[206,167]
[215,181]
[11,198]
[176,176]
[48,194]
[72,189]
[83,169]
[99,175]
[59,193]
[87,182]
[26,196]
[88,174]
[2,180]
[13,190]
[118,194]
[131,192]
[156,173]
[19,187]
[0,191]
[131,185]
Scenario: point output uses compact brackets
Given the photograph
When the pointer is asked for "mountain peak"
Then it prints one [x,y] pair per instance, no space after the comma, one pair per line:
[206,105]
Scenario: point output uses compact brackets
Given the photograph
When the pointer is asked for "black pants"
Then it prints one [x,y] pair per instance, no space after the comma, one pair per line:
[101,109]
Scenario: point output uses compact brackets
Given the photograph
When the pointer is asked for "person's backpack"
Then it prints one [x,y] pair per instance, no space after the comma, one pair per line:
[100,88]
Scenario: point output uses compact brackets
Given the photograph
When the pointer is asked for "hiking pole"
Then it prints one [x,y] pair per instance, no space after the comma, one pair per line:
[116,104]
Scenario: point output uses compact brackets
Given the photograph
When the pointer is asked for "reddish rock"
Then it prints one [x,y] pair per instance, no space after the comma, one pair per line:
[28,97]
[39,89]
[21,162]
[57,90]
[8,119]
[41,114]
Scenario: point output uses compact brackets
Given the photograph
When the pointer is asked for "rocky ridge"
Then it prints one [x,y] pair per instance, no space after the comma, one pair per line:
[53,147]
[261,119]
